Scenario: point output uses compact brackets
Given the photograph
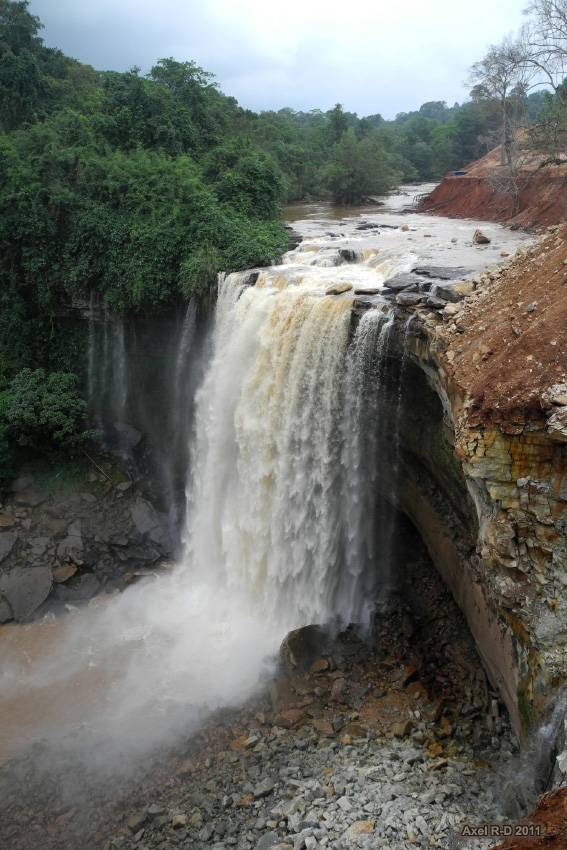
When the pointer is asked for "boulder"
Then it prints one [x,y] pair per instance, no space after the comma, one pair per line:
[282,696]
[348,255]
[401,282]
[8,540]
[435,303]
[74,528]
[289,718]
[338,689]
[144,517]
[465,287]
[402,729]
[269,839]
[58,527]
[25,588]
[64,573]
[448,293]
[300,648]
[84,589]
[409,299]
[358,828]
[136,822]
[480,239]
[321,665]
[450,311]
[338,288]
[264,789]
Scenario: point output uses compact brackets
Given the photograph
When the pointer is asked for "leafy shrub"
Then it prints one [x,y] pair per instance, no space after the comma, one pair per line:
[42,411]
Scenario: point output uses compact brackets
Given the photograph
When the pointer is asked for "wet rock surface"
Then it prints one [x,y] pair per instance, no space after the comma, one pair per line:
[393,742]
[496,359]
[62,543]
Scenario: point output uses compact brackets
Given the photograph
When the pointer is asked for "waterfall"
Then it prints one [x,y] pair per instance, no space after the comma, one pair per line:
[366,428]
[118,370]
[107,367]
[182,360]
[289,422]
[289,521]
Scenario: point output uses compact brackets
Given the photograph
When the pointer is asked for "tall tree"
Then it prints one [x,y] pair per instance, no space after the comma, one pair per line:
[544,38]
[501,73]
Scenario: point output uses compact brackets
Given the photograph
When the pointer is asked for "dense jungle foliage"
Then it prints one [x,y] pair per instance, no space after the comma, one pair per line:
[141,188]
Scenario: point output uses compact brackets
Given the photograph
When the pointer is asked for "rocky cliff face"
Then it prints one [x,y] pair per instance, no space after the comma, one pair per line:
[63,540]
[485,470]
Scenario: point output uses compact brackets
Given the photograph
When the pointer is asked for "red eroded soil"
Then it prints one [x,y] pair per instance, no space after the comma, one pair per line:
[479,194]
[509,343]
[551,815]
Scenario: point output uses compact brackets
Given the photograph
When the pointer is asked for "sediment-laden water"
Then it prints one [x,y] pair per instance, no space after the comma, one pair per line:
[281,531]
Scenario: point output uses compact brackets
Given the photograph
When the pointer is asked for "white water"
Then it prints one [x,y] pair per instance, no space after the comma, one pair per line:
[288,443]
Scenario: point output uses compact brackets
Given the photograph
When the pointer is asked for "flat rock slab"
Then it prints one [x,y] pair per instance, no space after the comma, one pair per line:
[25,588]
[338,288]
[400,282]
[440,272]
[269,839]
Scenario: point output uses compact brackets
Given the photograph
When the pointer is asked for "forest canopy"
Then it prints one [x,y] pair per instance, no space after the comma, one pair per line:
[140,188]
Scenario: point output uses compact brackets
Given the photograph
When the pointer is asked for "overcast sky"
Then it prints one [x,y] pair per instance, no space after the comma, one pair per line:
[384,56]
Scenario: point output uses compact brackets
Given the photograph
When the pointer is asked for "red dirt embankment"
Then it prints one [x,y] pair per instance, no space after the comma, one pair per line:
[509,343]
[483,193]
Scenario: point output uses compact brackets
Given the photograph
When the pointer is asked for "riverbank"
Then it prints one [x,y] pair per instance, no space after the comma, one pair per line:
[532,196]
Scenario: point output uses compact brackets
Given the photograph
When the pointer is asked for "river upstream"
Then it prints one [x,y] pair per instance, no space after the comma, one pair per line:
[283,529]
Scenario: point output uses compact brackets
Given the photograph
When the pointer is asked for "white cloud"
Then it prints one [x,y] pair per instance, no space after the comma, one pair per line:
[373,56]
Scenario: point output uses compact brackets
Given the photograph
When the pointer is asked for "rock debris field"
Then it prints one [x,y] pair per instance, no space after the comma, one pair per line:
[394,743]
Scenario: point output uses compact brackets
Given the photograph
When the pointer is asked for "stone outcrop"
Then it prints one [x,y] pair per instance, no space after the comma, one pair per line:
[490,502]
[61,547]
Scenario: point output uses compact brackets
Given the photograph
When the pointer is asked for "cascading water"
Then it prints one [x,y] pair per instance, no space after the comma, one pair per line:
[365,446]
[108,384]
[282,528]
[266,511]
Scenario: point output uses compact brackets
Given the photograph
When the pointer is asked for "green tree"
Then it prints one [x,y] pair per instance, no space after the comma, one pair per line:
[338,120]
[40,411]
[358,169]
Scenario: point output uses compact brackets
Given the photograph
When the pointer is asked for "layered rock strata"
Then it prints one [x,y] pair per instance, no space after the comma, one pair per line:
[494,520]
